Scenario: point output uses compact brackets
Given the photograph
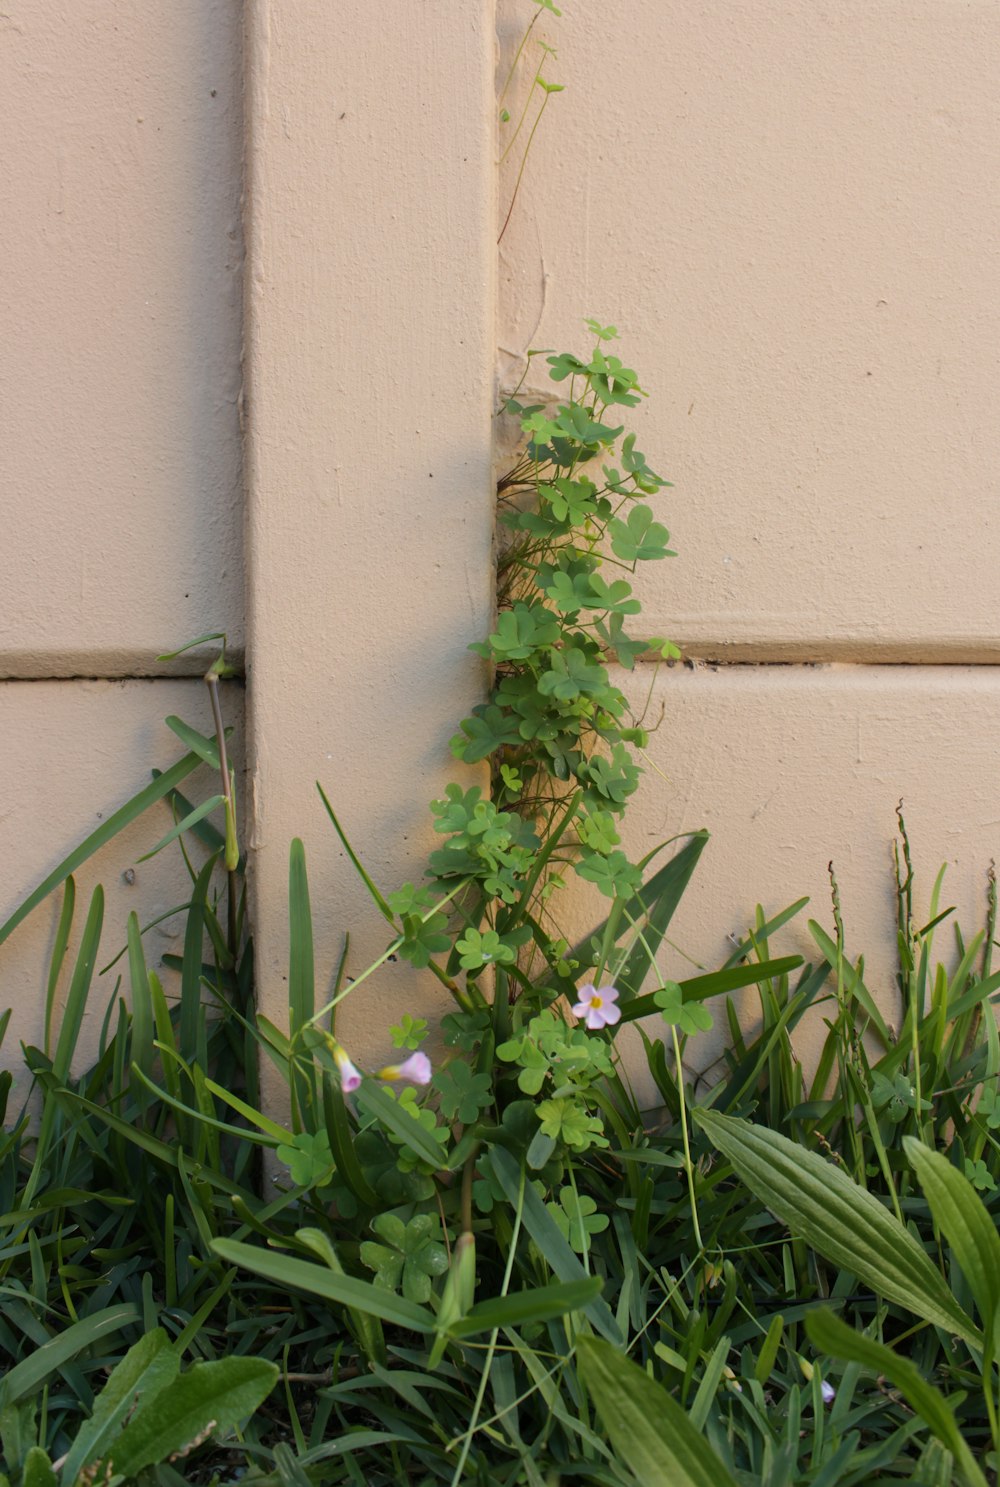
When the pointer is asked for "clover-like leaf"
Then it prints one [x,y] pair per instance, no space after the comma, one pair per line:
[463,1093]
[409,1032]
[577,1218]
[688,1017]
[571,501]
[489,728]
[602,332]
[640,538]
[565,365]
[564,1119]
[613,874]
[481,948]
[308,1158]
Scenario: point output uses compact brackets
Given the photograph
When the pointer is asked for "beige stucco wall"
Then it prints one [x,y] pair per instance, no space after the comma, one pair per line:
[789,212]
[121,247]
[120,455]
[370,360]
[787,209]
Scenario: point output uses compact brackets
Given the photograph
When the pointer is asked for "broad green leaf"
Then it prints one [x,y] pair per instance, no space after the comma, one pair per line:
[115,823]
[28,1376]
[145,1370]
[209,1397]
[969,1228]
[344,1290]
[545,1232]
[539,1304]
[842,1221]
[37,1470]
[830,1335]
[647,1428]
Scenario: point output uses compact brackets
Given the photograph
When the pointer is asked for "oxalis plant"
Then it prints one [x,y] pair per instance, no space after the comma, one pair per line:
[478,1192]
[492,1264]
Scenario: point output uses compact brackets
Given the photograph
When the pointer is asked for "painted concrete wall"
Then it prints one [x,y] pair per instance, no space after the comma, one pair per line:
[120,458]
[370,359]
[789,212]
[120,304]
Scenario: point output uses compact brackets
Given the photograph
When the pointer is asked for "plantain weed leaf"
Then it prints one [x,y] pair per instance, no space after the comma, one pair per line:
[960,1215]
[649,1430]
[144,1371]
[38,1470]
[209,1397]
[830,1335]
[842,1221]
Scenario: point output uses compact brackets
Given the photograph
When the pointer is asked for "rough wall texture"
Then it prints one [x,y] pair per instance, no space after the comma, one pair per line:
[789,211]
[120,483]
[119,383]
[370,354]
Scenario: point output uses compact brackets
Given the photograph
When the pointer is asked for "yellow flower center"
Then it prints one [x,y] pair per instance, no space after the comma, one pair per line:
[596,1001]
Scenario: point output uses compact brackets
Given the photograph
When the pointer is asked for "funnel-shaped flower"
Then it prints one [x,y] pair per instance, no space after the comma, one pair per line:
[417,1069]
[597,1007]
[350,1077]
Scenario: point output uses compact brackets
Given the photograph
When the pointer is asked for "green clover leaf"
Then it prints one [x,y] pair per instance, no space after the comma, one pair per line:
[463,1093]
[409,1032]
[577,1218]
[308,1158]
[688,1017]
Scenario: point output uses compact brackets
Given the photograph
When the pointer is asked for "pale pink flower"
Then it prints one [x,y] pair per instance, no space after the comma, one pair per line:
[417,1069]
[597,1007]
[350,1077]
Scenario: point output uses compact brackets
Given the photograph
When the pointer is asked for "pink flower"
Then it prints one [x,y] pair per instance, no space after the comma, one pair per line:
[598,1008]
[417,1069]
[350,1077]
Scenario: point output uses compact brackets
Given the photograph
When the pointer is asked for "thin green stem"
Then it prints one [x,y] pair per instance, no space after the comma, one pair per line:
[524,161]
[688,1164]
